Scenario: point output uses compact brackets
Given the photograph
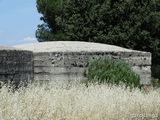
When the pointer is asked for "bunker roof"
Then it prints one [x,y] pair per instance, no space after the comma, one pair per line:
[72,46]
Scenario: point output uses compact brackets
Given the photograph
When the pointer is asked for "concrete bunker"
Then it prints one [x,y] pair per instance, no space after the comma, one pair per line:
[16,65]
[66,61]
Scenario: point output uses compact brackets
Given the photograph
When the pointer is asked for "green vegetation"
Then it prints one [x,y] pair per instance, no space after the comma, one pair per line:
[155,82]
[111,72]
[126,23]
[156,71]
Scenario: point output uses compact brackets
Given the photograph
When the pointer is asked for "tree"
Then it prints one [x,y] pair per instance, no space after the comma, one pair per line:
[50,30]
[134,24]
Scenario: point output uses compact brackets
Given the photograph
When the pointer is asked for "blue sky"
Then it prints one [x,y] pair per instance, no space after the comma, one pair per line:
[18,22]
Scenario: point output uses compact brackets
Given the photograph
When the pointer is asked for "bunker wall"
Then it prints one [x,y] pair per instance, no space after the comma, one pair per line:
[16,66]
[69,67]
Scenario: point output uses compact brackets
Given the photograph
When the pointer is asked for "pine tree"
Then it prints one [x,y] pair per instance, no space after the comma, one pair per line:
[134,24]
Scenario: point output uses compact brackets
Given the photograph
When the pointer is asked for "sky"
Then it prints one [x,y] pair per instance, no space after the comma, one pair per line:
[18,22]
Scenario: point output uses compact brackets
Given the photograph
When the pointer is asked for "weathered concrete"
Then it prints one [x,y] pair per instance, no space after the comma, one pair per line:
[66,61]
[15,65]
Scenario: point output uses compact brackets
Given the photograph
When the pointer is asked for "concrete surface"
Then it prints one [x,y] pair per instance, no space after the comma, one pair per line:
[16,65]
[66,61]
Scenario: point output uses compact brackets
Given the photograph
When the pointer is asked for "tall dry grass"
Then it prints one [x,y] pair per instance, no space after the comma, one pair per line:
[97,102]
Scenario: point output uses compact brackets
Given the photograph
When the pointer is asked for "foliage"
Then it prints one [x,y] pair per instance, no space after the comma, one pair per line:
[112,72]
[156,71]
[49,30]
[126,23]
[155,82]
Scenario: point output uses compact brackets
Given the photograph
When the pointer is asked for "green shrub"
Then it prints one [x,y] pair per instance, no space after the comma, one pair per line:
[111,72]
[155,82]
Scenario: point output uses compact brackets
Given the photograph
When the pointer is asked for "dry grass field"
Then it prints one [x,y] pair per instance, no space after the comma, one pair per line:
[97,102]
